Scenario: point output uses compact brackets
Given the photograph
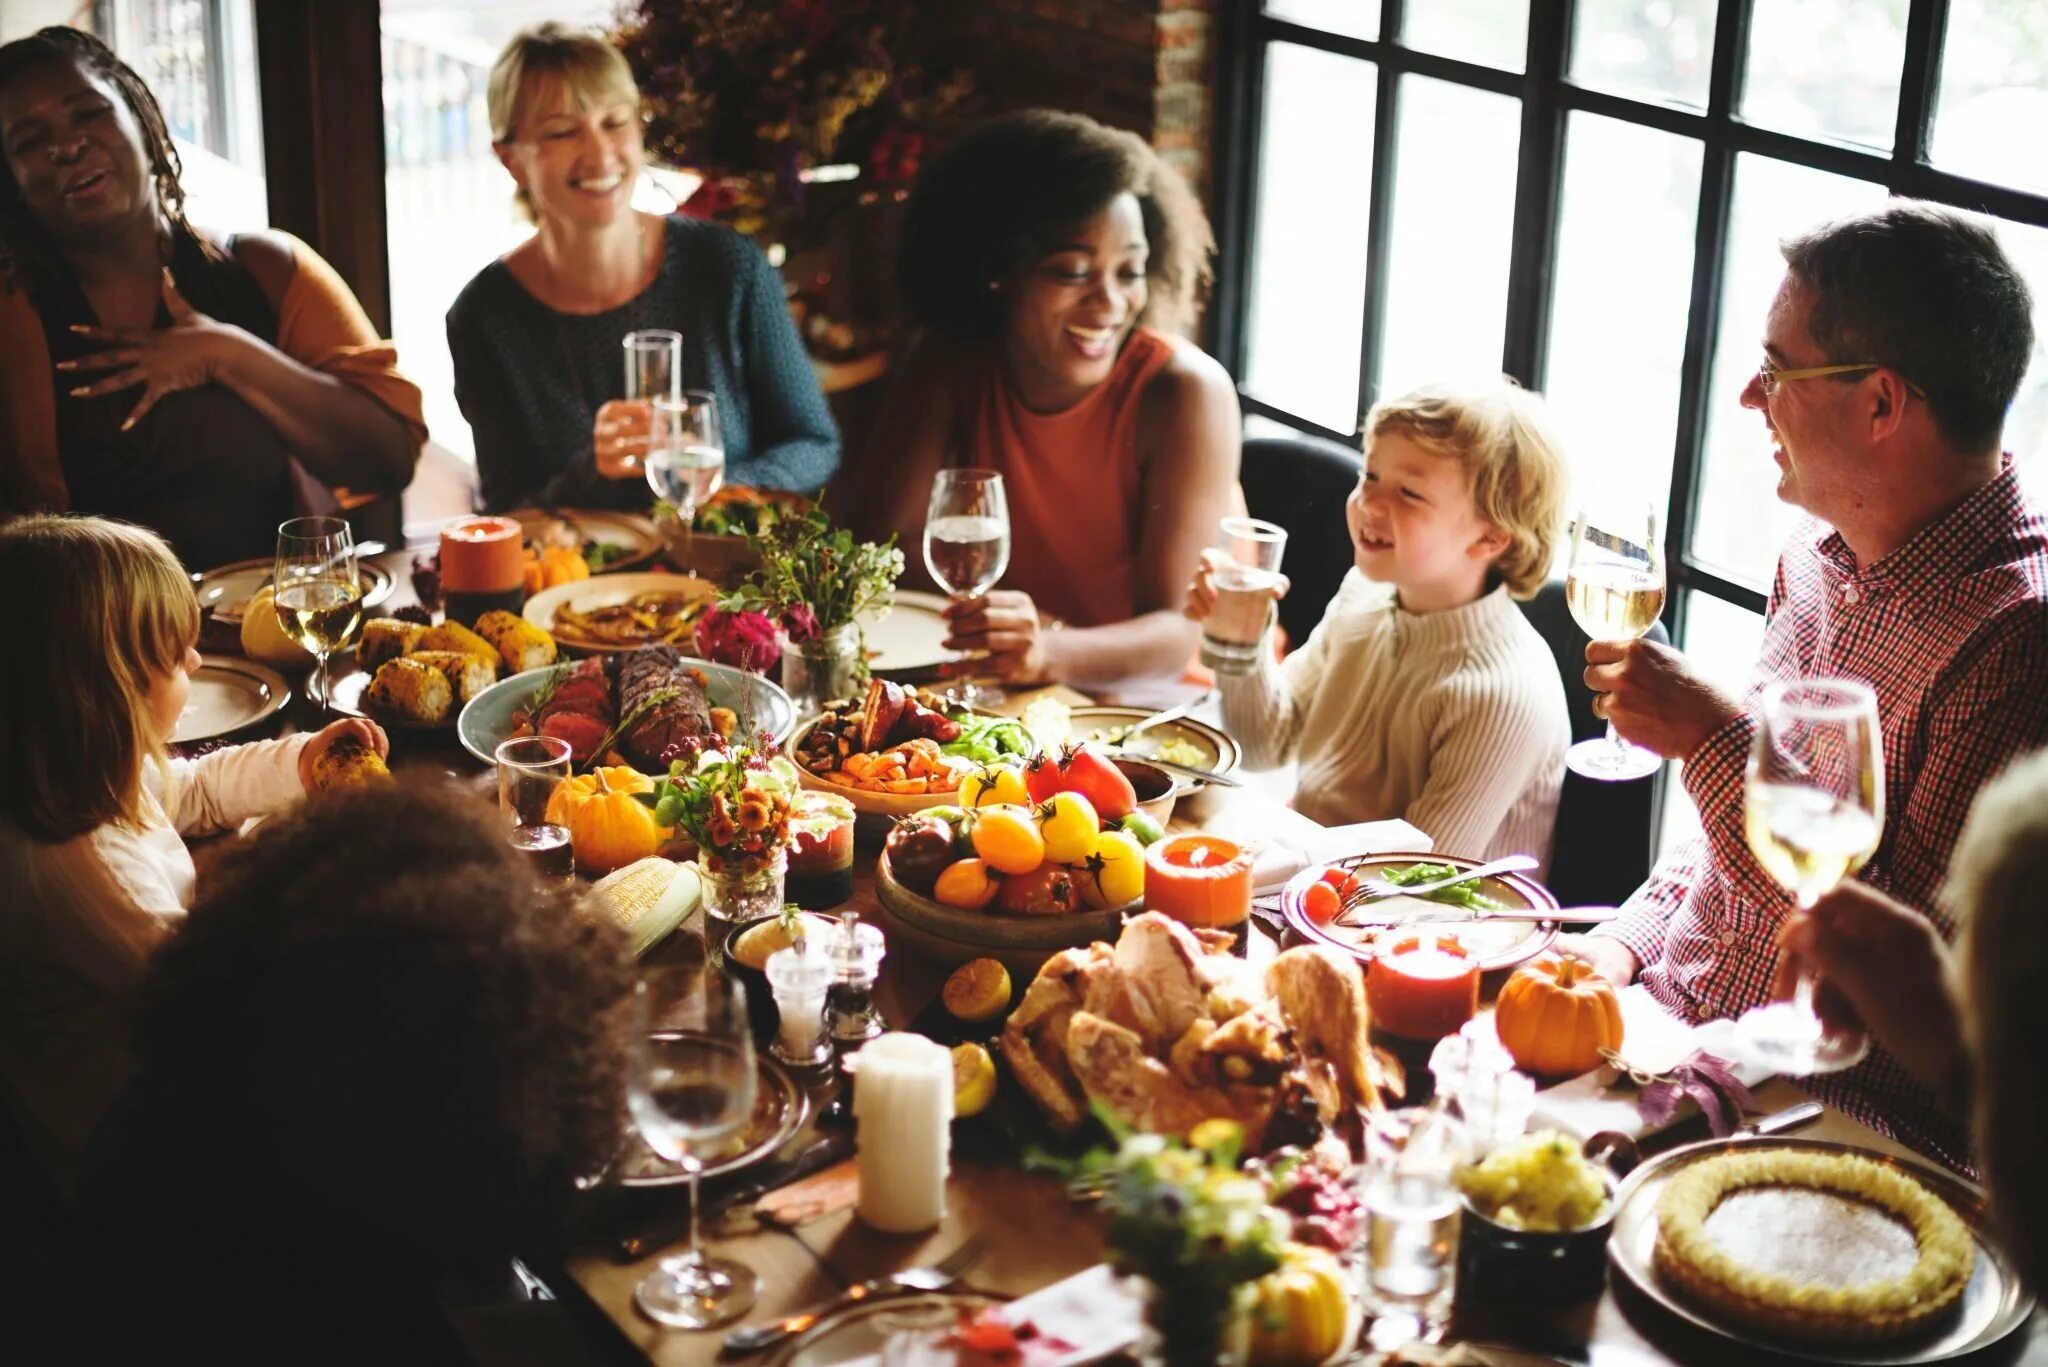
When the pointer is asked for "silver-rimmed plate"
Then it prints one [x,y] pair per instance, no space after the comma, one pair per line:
[1993,1304]
[229,694]
[224,589]
[780,1109]
[1496,944]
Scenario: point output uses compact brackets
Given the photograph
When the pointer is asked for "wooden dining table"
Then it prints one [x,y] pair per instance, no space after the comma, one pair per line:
[1035,1235]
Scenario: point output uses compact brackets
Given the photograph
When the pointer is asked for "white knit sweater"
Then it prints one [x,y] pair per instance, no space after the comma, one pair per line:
[1454,721]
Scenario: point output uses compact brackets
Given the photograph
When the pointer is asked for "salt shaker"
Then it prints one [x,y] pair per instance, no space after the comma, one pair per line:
[903,1108]
[857,951]
[799,977]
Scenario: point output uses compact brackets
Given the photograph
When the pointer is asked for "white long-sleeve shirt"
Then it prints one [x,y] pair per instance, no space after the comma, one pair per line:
[79,919]
[1453,721]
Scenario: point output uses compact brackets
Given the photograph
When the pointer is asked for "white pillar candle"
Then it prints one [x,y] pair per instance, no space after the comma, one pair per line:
[903,1110]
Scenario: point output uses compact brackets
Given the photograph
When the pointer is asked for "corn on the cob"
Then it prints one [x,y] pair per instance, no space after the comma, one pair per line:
[520,643]
[455,636]
[348,763]
[387,638]
[408,687]
[646,899]
[467,674]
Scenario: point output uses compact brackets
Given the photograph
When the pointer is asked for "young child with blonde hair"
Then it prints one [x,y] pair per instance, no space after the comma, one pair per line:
[1424,693]
[94,811]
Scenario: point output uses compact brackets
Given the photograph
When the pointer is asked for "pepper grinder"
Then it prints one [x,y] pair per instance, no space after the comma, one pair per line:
[857,951]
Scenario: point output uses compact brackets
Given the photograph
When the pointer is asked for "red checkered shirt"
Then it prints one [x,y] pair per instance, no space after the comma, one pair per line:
[1951,629]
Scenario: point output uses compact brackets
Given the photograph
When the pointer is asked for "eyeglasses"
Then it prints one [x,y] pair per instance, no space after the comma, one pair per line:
[1773,378]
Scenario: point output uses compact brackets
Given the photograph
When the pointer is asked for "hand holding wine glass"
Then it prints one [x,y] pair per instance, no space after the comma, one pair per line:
[318,596]
[967,543]
[1615,590]
[691,1085]
[1813,812]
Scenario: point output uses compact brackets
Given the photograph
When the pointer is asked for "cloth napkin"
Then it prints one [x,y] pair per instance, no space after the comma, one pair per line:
[1653,1040]
[1283,857]
[1095,1311]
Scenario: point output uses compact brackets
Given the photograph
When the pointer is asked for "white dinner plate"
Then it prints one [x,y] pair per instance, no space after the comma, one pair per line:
[229,694]
[910,638]
[224,589]
[637,538]
[603,591]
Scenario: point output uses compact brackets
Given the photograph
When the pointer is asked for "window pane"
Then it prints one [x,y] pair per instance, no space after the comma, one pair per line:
[1721,641]
[1994,80]
[1454,211]
[1352,18]
[1773,199]
[1308,261]
[1826,68]
[1490,32]
[1662,51]
[2026,426]
[1623,293]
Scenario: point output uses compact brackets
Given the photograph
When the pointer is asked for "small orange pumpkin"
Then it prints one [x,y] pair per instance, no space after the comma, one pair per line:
[608,827]
[1555,1016]
[555,565]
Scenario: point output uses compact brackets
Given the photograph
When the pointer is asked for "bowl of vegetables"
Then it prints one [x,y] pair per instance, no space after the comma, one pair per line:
[896,751]
[1538,1214]
[1312,898]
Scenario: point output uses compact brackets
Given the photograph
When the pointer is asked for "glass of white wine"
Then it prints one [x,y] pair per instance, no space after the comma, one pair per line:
[1615,590]
[319,596]
[967,546]
[691,1087]
[1813,812]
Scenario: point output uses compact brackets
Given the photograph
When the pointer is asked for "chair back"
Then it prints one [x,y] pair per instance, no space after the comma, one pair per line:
[1301,484]
[1604,845]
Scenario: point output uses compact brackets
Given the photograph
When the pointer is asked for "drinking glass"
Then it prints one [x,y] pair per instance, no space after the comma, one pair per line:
[530,768]
[692,1084]
[685,451]
[1411,1233]
[1615,590]
[1245,607]
[967,546]
[1813,811]
[654,364]
[319,597]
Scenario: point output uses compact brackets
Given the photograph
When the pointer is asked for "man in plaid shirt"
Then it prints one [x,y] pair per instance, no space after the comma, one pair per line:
[1892,351]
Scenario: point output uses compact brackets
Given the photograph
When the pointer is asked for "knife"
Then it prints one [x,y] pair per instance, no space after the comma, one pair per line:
[818,1155]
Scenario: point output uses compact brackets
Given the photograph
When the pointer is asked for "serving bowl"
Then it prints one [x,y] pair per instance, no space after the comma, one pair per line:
[953,935]
[487,718]
[1524,1266]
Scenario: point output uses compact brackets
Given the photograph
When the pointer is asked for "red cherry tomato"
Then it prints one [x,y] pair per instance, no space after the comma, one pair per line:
[1042,777]
[1320,903]
[1048,890]
[1090,773]
[1343,880]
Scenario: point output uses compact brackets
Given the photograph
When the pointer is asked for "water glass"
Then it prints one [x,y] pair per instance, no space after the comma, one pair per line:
[530,768]
[654,364]
[1245,606]
[685,451]
[1412,1205]
[967,546]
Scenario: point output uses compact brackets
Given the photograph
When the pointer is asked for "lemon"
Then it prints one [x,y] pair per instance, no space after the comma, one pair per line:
[974,1079]
[979,990]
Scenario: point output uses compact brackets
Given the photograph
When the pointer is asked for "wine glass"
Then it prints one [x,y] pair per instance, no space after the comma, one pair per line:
[1813,811]
[530,768]
[319,597]
[685,451]
[692,1084]
[967,546]
[1615,590]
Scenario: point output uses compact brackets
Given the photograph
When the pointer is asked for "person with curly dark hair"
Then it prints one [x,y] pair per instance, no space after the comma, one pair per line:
[204,388]
[359,1087]
[1051,262]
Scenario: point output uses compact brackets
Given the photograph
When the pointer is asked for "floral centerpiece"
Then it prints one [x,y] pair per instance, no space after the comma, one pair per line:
[817,581]
[735,805]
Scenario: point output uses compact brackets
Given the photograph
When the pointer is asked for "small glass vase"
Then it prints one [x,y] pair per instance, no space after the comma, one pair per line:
[825,670]
[1185,1329]
[730,895]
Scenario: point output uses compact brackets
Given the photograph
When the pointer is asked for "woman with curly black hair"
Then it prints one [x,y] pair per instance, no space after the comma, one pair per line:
[1051,262]
[206,389]
[356,1090]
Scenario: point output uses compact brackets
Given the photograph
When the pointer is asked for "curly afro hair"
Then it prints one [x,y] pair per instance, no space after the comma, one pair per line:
[377,1004]
[1006,191]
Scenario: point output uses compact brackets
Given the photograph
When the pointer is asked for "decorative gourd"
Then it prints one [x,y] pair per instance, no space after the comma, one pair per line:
[1300,1312]
[263,635]
[555,565]
[1555,1016]
[608,827]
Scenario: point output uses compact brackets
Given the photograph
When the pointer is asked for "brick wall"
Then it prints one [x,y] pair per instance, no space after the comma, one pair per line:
[1145,65]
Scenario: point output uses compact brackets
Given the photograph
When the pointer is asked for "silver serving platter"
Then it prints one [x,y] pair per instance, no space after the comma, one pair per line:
[780,1109]
[1993,1305]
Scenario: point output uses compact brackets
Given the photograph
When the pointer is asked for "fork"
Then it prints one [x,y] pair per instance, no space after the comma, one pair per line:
[937,1277]
[1379,889]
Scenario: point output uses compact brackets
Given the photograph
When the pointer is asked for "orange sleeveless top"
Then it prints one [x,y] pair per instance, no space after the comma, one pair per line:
[1074,486]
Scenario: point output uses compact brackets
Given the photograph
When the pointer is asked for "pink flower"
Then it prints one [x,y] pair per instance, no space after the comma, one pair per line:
[801,624]
[745,640]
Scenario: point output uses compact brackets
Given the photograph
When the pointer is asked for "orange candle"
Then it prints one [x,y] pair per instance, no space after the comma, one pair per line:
[1199,880]
[1422,987]
[481,555]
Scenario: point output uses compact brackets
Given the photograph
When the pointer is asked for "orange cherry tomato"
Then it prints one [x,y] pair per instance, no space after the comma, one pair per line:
[1008,839]
[967,884]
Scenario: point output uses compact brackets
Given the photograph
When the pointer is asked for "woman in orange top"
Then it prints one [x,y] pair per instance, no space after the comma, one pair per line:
[1049,260]
[154,373]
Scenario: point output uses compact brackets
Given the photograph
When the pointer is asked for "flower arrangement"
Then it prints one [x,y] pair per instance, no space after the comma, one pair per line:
[734,804]
[753,93]
[814,578]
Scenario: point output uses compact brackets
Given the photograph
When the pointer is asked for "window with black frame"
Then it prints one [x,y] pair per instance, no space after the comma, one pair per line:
[1588,194]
